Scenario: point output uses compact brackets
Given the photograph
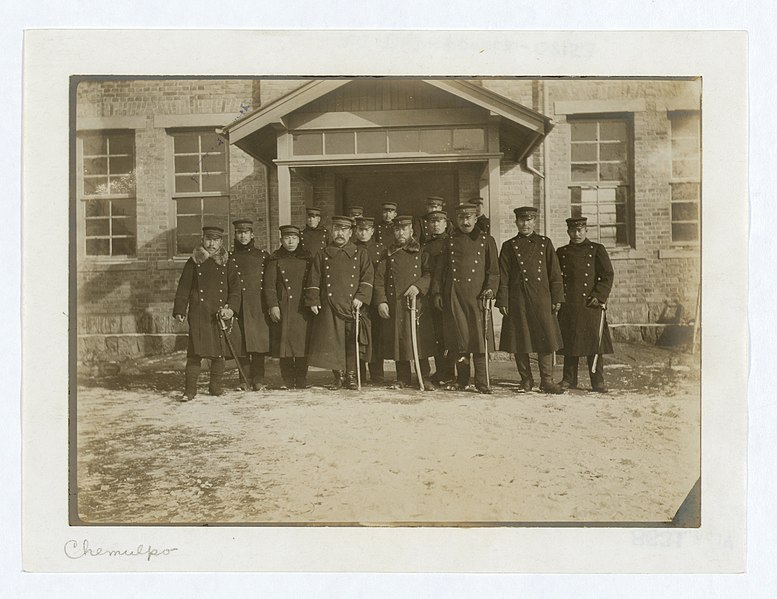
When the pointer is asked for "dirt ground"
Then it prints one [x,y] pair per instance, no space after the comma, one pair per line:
[382,457]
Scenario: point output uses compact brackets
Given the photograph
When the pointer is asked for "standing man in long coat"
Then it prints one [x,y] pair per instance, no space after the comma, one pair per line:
[483,222]
[340,282]
[421,226]
[284,280]
[466,275]
[403,274]
[384,232]
[364,239]
[201,298]
[437,242]
[247,263]
[314,236]
[588,276]
[530,295]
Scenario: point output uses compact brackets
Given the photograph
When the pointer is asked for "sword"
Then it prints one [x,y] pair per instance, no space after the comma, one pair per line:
[488,304]
[599,344]
[231,349]
[414,339]
[358,362]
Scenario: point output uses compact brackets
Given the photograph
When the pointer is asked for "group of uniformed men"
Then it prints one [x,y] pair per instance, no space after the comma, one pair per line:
[300,303]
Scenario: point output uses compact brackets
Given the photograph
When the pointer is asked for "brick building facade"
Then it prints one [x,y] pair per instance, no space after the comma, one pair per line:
[151,169]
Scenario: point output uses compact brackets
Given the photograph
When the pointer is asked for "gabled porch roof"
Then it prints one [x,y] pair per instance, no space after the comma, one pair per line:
[521,129]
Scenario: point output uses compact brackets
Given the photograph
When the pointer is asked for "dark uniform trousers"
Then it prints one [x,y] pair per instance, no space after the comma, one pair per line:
[294,371]
[253,366]
[377,374]
[570,370]
[192,373]
[545,361]
[350,349]
[464,372]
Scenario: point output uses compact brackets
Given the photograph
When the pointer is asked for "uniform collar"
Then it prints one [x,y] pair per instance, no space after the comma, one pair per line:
[412,247]
[239,247]
[349,249]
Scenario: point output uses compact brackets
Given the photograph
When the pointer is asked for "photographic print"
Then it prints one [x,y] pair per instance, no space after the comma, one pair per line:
[558,217]
[328,311]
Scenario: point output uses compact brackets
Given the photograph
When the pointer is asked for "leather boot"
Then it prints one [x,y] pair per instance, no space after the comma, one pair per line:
[350,380]
[192,373]
[217,366]
[338,382]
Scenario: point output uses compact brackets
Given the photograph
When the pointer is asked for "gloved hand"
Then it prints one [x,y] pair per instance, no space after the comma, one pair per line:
[383,310]
[179,317]
[357,303]
[315,309]
[556,308]
[412,291]
[486,294]
[503,310]
[275,314]
[437,302]
[592,302]
[226,313]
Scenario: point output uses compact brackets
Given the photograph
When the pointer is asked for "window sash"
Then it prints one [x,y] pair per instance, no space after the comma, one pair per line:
[597,154]
[114,240]
[608,209]
[204,215]
[203,171]
[685,164]
[111,159]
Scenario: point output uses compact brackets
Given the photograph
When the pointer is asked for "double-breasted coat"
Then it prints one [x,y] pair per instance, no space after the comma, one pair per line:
[529,284]
[372,321]
[400,268]
[384,233]
[587,273]
[284,281]
[434,248]
[314,240]
[203,290]
[468,266]
[246,266]
[337,276]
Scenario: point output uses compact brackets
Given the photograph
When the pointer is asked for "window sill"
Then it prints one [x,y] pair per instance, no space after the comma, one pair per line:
[92,265]
[693,251]
[627,254]
[172,263]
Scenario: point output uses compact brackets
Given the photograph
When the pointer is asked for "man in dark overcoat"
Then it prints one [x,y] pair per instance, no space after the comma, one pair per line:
[437,242]
[404,273]
[340,282]
[421,226]
[201,297]
[588,277]
[384,232]
[483,223]
[314,236]
[363,232]
[530,295]
[284,280]
[465,277]
[246,265]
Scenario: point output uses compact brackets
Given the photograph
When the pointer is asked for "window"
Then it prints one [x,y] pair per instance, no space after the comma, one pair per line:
[107,189]
[601,179]
[437,140]
[686,176]
[201,186]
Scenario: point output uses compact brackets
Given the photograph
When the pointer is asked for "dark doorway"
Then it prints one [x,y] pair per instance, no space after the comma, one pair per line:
[408,187]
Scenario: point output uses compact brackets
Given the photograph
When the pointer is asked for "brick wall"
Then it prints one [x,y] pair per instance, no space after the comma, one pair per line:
[124,308]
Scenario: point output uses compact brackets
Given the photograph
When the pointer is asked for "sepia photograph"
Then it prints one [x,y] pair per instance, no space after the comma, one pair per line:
[476,309]
[385,301]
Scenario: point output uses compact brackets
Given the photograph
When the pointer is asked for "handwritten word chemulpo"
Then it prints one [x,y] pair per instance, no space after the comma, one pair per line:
[76,550]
